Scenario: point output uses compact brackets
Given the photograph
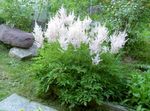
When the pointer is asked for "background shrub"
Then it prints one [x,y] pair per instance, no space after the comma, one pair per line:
[80,8]
[1,20]
[17,13]
[140,50]
[132,15]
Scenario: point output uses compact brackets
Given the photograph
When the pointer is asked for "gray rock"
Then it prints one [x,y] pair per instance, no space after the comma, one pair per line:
[13,103]
[15,37]
[17,103]
[33,106]
[34,49]
[22,54]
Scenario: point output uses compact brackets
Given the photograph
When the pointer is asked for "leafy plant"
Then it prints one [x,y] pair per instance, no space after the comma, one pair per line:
[139,90]
[70,77]
[1,20]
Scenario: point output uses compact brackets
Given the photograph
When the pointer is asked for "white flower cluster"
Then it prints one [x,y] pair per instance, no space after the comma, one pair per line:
[117,41]
[68,29]
[38,35]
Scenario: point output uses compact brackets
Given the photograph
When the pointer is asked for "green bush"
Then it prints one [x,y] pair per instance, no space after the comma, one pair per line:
[132,15]
[1,20]
[71,77]
[127,14]
[79,8]
[139,90]
[140,50]
[17,13]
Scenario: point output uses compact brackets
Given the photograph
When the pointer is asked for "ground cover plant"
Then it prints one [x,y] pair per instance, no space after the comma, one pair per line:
[139,90]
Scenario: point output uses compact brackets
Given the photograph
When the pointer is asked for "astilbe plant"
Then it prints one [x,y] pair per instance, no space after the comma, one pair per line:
[78,64]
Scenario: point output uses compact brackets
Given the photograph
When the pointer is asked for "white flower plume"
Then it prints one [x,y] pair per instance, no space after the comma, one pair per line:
[53,27]
[118,41]
[100,34]
[63,40]
[38,35]
[77,32]
[96,59]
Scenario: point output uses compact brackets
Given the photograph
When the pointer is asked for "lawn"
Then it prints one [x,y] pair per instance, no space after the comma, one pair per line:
[15,78]
[12,75]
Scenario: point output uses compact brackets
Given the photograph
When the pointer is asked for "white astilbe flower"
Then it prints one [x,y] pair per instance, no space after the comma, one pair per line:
[96,60]
[65,19]
[77,33]
[38,35]
[56,23]
[70,19]
[86,22]
[52,31]
[94,46]
[63,40]
[74,34]
[62,13]
[118,41]
[100,35]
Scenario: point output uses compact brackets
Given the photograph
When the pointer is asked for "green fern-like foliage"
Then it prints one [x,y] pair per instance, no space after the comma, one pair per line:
[71,77]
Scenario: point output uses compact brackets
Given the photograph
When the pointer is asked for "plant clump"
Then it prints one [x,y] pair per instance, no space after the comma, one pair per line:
[79,63]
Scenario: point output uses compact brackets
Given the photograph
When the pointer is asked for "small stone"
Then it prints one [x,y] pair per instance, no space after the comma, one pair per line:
[22,54]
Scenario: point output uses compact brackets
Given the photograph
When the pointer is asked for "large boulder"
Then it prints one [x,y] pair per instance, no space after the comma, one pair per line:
[15,37]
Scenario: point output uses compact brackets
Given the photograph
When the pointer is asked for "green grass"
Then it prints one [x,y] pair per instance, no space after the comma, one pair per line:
[12,74]
[15,78]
